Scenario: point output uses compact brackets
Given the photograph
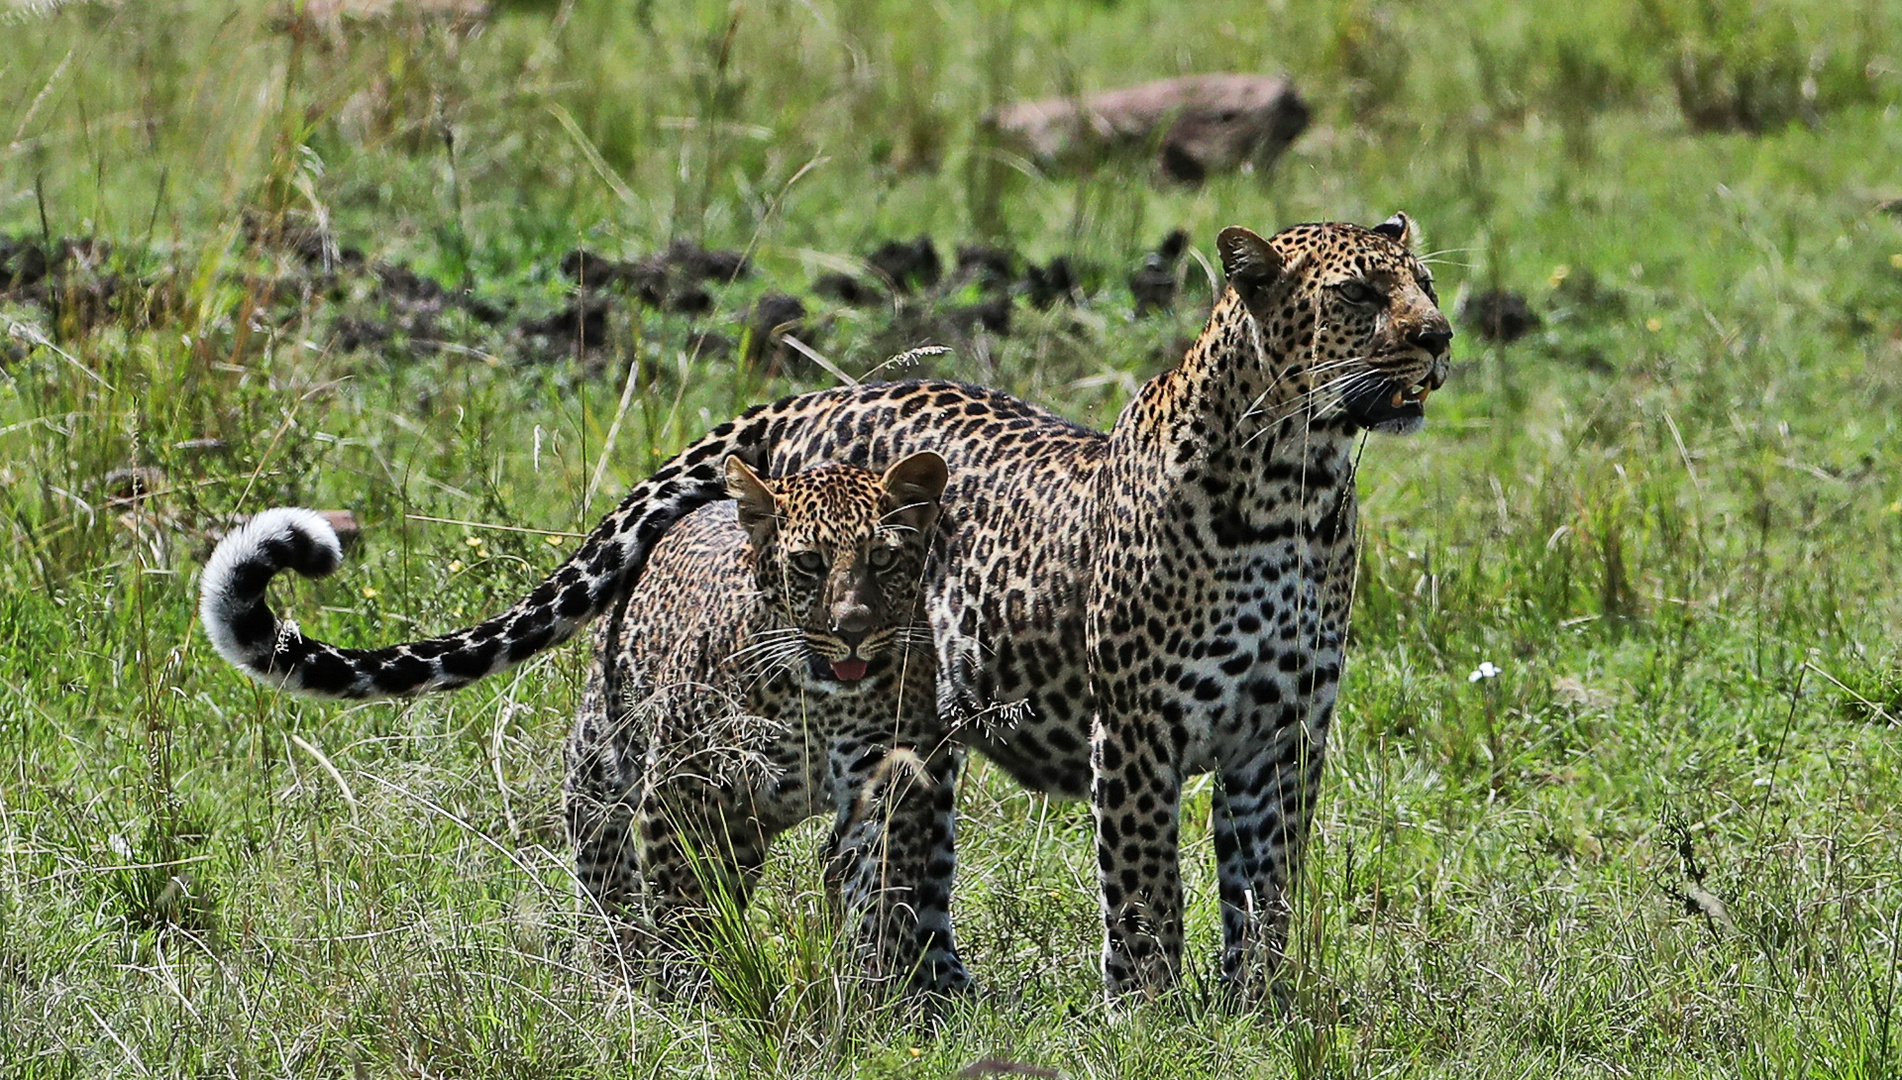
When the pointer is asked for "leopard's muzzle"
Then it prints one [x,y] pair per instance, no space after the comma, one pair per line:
[1395,405]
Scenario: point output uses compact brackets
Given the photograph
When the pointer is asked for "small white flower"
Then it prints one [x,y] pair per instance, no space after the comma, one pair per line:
[1485,670]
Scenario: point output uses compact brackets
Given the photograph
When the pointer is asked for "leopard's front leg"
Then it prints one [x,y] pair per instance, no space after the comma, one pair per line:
[1261,812]
[892,857]
[1137,741]
[1136,796]
[1270,781]
[891,866]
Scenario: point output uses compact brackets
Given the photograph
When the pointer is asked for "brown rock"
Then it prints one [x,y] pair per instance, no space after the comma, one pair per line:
[1194,125]
[1499,315]
[345,522]
[132,483]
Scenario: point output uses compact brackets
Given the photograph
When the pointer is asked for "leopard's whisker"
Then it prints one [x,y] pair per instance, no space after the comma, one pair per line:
[1303,400]
[767,639]
[767,658]
[1331,365]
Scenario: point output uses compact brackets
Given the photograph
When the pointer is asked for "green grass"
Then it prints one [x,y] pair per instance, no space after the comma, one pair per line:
[1664,841]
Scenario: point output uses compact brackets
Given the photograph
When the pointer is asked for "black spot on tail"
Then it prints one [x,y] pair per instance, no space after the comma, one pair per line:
[533,641]
[295,549]
[402,673]
[324,669]
[574,602]
[472,662]
[249,578]
[254,626]
[606,561]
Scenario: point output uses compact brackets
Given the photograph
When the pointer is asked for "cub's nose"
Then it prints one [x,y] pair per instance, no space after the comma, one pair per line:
[1433,340]
[850,621]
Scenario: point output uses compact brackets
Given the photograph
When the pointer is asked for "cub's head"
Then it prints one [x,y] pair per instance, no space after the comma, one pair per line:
[1344,318]
[839,553]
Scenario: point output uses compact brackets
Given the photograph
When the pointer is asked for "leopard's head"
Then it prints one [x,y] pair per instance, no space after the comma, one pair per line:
[1345,320]
[839,554]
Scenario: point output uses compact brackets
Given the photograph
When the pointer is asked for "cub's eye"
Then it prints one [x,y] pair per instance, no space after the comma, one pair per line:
[882,558]
[1357,292]
[809,562]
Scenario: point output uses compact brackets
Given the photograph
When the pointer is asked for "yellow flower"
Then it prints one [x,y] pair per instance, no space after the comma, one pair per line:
[472,541]
[369,593]
[914,1051]
[1558,275]
[1654,324]
[555,541]
[1896,507]
[1895,260]
[455,566]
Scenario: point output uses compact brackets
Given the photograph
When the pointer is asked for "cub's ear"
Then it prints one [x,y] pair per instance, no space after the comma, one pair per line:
[912,488]
[759,508]
[1251,264]
[1398,228]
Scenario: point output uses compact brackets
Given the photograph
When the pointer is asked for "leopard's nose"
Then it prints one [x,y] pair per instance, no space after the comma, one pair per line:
[1433,339]
[850,621]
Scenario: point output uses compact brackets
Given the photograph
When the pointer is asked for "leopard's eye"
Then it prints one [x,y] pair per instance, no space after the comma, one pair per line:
[809,562]
[1357,292]
[881,558]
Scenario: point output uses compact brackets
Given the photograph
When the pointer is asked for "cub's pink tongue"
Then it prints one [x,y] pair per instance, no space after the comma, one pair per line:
[849,670]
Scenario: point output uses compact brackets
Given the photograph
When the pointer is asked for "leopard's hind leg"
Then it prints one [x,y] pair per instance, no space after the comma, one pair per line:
[700,859]
[602,785]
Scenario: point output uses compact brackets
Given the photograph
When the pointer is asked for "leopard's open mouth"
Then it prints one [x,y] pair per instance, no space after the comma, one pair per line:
[1388,406]
[849,668]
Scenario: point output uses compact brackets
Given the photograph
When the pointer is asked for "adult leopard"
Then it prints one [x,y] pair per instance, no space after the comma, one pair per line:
[1113,611]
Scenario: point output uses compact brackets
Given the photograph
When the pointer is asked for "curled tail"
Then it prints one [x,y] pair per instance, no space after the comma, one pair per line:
[246,632]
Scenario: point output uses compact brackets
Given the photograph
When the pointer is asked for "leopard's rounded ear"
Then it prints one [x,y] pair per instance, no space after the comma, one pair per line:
[1252,265]
[912,488]
[1398,228]
[758,507]
[921,476]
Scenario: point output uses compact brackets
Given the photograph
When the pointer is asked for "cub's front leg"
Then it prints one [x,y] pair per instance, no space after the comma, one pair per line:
[891,865]
[892,857]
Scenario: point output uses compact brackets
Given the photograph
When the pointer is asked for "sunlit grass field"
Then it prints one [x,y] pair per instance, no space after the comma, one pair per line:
[1614,789]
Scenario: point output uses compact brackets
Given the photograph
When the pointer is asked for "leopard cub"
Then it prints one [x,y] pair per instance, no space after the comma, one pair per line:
[773,664]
